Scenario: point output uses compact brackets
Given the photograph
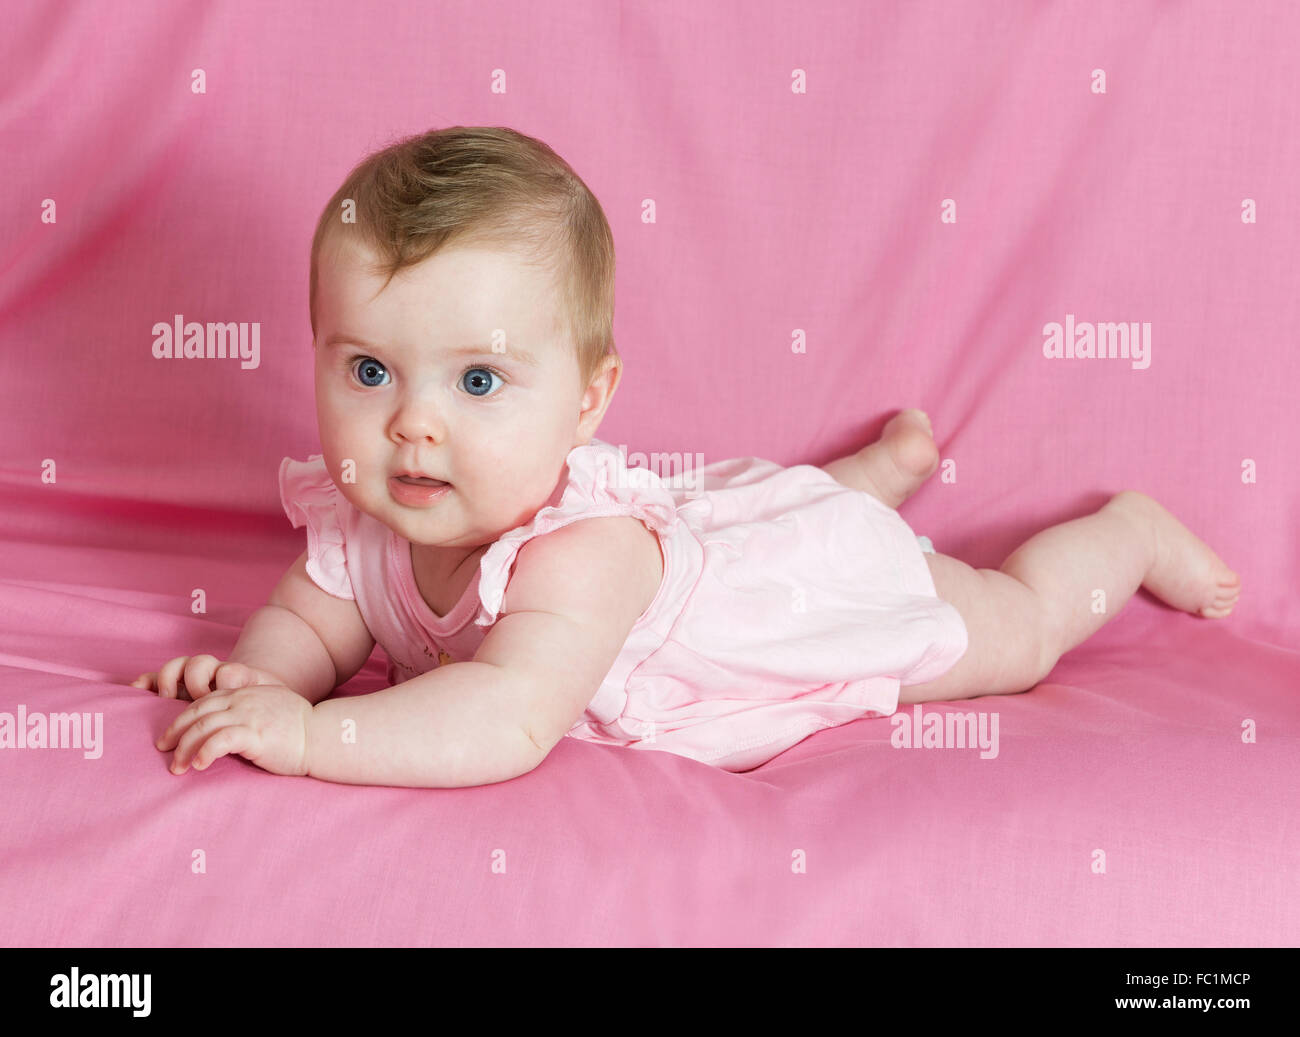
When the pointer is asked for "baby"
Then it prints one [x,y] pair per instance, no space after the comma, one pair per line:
[526,584]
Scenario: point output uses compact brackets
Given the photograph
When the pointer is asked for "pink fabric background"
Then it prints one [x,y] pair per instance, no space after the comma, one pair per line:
[775,211]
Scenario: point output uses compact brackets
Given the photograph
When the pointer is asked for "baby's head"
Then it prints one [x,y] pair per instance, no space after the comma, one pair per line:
[462,304]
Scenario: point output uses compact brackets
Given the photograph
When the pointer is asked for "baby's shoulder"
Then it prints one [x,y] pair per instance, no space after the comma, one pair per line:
[609,563]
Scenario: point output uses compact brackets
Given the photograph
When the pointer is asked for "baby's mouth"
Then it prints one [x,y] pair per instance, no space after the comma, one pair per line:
[411,480]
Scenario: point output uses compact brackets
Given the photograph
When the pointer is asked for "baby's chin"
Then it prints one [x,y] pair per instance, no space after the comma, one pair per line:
[440,526]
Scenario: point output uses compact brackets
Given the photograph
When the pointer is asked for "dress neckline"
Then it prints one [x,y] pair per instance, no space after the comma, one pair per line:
[400,551]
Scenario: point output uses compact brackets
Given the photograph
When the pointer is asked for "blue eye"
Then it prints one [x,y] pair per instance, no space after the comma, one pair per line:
[366,368]
[480,378]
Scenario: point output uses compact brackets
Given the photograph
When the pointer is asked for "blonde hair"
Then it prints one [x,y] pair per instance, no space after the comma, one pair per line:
[484,184]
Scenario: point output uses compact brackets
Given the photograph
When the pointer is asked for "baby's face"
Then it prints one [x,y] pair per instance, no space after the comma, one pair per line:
[407,379]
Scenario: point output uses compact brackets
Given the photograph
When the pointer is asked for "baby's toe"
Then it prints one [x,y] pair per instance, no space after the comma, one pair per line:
[920,416]
[1225,599]
[915,452]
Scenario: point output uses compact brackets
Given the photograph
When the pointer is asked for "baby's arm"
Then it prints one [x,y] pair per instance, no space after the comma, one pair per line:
[303,638]
[574,596]
[311,640]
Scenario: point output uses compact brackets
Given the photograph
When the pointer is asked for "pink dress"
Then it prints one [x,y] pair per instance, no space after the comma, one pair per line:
[789,602]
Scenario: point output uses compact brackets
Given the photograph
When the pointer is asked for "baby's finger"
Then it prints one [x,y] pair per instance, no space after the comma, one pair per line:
[233,739]
[169,675]
[230,676]
[198,675]
[148,681]
[215,702]
[200,731]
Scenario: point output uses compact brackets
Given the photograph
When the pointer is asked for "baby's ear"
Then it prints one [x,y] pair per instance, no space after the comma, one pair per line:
[598,395]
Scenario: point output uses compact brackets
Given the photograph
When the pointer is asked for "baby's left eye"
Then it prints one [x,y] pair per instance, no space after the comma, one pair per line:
[480,378]
[366,368]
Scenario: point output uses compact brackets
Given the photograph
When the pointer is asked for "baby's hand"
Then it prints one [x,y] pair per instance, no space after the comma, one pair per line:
[193,677]
[267,724]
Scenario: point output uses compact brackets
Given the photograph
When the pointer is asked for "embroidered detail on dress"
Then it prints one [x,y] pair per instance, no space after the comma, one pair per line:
[443,657]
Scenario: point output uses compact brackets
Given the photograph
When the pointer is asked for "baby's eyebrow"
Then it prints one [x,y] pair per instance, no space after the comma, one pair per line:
[518,353]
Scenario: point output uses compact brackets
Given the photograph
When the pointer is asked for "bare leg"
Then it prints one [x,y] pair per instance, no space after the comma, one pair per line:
[1062,585]
[894,467]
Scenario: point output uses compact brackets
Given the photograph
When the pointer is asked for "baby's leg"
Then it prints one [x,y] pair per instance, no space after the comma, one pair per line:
[893,467]
[1062,585]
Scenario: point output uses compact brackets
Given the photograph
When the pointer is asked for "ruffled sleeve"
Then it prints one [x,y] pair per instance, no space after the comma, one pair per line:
[309,497]
[599,485]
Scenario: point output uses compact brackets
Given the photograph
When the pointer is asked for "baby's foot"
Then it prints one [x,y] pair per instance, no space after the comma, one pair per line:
[1186,573]
[910,440]
[893,467]
[904,456]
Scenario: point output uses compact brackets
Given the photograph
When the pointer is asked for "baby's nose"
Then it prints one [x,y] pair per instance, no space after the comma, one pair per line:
[419,420]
